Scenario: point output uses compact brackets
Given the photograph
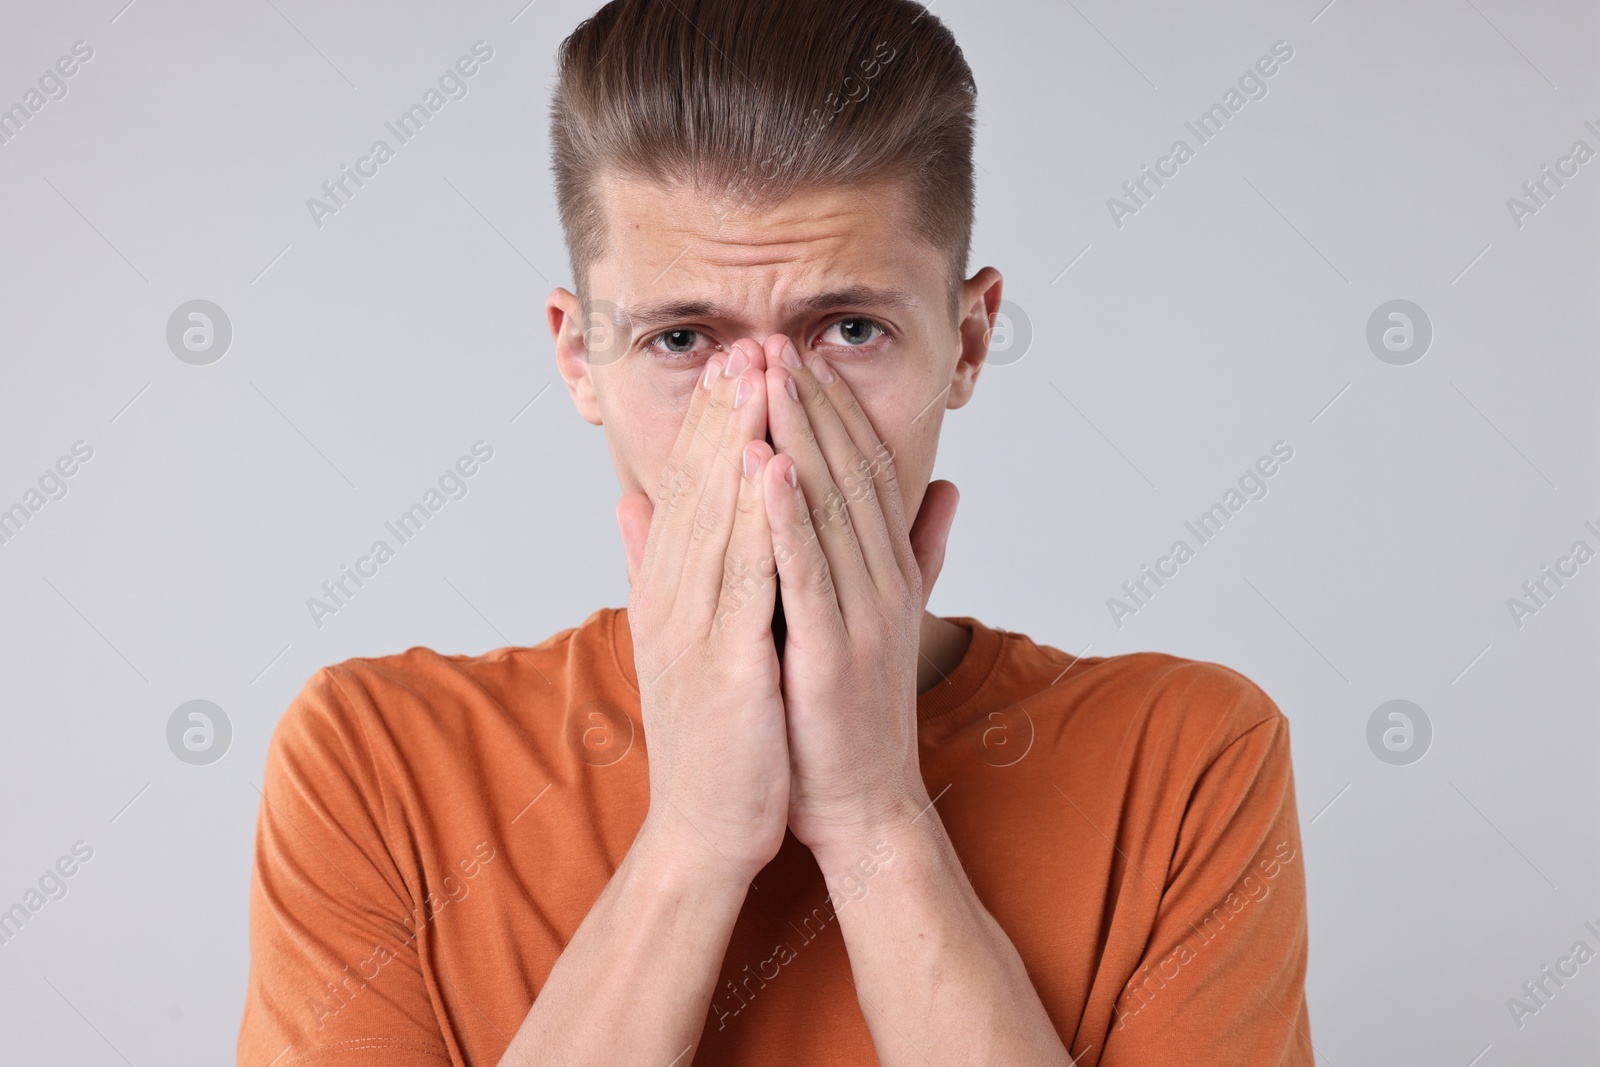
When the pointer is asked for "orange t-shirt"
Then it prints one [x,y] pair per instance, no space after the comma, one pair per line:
[434,828]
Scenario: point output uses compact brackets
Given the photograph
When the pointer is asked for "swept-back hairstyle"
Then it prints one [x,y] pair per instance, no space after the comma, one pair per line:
[747,101]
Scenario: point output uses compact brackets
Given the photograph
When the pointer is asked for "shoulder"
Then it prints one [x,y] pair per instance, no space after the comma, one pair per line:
[348,711]
[1150,701]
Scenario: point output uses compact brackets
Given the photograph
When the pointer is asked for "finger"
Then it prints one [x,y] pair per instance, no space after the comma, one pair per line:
[677,485]
[810,603]
[880,460]
[634,511]
[698,486]
[826,454]
[931,532]
[749,577]
[705,553]
[794,436]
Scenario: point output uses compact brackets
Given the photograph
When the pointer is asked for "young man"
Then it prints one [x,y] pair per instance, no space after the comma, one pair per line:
[775,812]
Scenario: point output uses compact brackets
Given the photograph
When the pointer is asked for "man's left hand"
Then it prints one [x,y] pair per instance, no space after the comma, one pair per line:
[855,584]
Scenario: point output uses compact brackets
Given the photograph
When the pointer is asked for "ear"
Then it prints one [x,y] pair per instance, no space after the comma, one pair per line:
[980,301]
[567,330]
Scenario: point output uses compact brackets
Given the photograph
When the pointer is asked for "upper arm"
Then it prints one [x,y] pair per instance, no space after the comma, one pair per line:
[335,976]
[1222,979]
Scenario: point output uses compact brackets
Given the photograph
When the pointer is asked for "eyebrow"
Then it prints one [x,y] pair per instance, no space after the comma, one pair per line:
[850,296]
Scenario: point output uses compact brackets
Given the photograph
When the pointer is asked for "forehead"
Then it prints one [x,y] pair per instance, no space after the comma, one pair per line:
[669,243]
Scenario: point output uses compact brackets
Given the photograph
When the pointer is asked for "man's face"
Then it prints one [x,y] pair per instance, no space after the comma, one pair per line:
[840,271]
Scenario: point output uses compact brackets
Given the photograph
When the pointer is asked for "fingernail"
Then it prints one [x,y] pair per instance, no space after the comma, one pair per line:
[741,392]
[751,461]
[713,368]
[820,368]
[788,385]
[791,477]
[737,362]
[790,356]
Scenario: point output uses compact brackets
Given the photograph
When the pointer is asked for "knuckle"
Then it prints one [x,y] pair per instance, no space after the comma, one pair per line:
[883,463]
[834,513]
[808,436]
[833,505]
[671,485]
[738,589]
[821,580]
[852,406]
[750,506]
[707,519]
[767,567]
[860,478]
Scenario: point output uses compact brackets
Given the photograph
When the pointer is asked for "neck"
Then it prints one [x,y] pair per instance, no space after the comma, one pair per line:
[942,646]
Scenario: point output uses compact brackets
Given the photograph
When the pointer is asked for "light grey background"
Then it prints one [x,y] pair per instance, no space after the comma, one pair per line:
[1168,354]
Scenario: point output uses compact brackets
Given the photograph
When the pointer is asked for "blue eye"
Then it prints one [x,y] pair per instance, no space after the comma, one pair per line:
[676,345]
[679,340]
[857,332]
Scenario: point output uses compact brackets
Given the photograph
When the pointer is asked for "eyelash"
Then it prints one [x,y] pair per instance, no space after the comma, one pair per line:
[684,357]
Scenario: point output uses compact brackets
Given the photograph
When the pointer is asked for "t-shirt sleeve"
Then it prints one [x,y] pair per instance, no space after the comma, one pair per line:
[1222,979]
[335,976]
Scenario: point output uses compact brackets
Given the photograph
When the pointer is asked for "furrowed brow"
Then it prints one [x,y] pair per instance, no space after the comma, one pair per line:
[857,296]
[647,315]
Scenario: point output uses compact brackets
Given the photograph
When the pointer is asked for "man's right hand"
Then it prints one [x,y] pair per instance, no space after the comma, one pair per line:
[703,587]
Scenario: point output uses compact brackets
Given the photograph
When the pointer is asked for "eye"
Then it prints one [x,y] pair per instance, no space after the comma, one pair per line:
[678,345]
[856,332]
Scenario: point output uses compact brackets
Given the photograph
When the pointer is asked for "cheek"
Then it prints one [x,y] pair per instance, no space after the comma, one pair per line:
[642,415]
[909,427]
